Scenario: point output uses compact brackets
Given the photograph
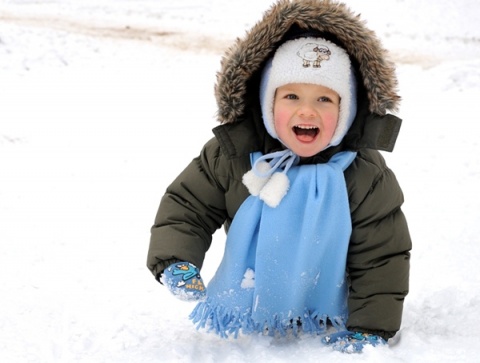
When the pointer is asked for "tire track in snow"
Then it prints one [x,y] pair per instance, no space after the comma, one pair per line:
[174,39]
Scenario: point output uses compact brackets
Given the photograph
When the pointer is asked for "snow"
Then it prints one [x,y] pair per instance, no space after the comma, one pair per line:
[104,102]
[248,281]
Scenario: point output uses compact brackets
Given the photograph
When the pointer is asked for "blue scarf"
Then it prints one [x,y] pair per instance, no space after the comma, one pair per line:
[286,263]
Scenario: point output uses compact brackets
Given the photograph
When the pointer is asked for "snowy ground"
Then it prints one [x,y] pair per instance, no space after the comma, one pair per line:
[102,104]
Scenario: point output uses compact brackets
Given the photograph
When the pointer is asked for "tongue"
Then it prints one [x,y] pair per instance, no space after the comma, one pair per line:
[305,135]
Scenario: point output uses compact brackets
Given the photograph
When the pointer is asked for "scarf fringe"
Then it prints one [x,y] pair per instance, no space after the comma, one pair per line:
[227,323]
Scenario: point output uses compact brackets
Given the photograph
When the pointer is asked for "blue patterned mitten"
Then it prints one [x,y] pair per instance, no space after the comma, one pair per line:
[351,342]
[184,281]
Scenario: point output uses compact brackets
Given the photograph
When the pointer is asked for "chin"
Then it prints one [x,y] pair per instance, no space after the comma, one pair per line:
[308,153]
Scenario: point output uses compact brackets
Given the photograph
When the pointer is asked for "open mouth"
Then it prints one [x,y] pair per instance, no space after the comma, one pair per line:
[306,133]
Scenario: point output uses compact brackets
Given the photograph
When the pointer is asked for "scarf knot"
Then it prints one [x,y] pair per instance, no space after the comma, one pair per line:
[268,177]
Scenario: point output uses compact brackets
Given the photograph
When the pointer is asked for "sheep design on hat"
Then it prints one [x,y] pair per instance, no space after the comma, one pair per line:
[313,54]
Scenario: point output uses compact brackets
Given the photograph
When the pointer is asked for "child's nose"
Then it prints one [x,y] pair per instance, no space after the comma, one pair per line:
[306,110]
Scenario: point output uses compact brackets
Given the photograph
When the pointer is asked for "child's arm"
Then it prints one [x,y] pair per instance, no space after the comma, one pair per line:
[191,210]
[379,257]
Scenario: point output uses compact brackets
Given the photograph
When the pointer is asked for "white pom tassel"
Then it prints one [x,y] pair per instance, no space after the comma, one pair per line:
[275,189]
[253,182]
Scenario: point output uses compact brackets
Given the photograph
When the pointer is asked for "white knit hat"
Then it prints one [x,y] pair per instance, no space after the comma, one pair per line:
[313,61]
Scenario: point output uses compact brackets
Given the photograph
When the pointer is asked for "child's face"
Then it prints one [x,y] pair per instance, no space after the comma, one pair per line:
[305,117]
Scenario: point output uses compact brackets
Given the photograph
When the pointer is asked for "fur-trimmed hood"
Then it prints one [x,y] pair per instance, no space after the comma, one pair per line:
[247,56]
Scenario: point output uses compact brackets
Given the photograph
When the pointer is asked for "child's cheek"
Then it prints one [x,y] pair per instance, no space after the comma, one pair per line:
[330,122]
[280,118]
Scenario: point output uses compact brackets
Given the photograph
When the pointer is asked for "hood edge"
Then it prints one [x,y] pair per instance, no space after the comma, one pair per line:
[248,54]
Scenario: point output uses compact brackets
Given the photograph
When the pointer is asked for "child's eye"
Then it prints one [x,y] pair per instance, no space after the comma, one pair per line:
[291,96]
[325,99]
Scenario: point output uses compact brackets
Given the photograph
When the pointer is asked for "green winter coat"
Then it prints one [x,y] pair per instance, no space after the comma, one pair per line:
[208,193]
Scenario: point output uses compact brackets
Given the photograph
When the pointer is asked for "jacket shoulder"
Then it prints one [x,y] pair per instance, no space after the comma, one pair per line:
[226,167]
[368,168]
[240,138]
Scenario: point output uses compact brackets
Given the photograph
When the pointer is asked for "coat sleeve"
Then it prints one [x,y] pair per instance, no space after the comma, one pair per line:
[191,210]
[379,253]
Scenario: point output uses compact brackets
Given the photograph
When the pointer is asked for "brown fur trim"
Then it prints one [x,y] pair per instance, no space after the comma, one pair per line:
[248,54]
